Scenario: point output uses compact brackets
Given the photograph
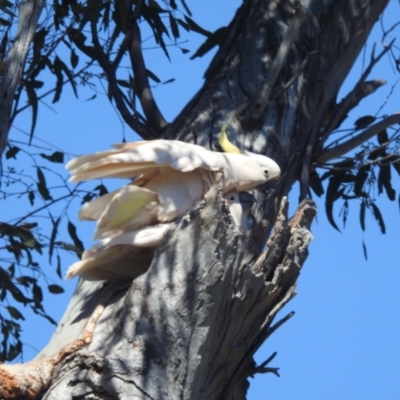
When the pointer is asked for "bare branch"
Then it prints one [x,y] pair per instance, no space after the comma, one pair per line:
[29,13]
[361,89]
[262,368]
[359,139]
[124,44]
[374,60]
[386,33]
[155,119]
[120,53]
[359,92]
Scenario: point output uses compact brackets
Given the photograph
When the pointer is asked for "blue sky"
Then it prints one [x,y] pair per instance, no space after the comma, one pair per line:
[344,340]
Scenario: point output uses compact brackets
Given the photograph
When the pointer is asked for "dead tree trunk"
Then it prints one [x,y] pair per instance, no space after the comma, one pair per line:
[189,327]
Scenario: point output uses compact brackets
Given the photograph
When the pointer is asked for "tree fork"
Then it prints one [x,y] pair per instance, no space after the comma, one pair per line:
[190,326]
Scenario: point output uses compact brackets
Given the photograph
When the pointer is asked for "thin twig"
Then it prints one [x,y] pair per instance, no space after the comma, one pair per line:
[360,90]
[297,73]
[358,140]
[42,208]
[77,74]
[388,158]
[273,328]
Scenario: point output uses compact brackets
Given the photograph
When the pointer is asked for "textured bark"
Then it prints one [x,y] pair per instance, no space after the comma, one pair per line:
[190,326]
[177,326]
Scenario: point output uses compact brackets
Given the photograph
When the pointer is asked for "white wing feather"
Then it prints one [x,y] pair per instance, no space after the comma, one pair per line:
[111,253]
[241,171]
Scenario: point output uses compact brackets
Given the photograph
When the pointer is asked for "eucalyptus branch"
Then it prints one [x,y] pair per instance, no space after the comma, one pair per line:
[76,75]
[386,160]
[382,147]
[124,44]
[120,53]
[155,119]
[115,92]
[386,33]
[29,12]
[361,90]
[358,140]
[50,203]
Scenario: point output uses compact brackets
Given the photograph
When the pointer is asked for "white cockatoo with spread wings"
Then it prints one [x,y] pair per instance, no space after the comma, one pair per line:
[169,179]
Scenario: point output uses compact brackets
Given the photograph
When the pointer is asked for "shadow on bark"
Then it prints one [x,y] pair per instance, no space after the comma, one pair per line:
[188,328]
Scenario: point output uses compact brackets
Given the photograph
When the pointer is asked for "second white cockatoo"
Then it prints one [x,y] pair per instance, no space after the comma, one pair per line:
[170,178]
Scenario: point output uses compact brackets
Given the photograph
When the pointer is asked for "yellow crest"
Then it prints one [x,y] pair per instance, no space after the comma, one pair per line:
[224,142]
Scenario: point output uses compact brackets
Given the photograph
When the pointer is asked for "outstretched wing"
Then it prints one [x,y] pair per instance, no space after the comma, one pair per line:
[135,159]
[162,199]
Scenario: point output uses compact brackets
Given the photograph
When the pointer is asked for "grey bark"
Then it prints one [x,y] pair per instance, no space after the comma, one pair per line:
[29,13]
[189,327]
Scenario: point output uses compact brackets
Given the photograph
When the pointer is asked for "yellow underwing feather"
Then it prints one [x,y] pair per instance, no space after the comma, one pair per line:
[126,207]
[92,210]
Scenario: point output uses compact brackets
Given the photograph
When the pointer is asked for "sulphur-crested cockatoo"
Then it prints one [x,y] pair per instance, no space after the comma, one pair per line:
[171,177]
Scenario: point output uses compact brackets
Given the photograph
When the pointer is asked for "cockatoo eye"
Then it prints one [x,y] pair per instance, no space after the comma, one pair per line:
[266,172]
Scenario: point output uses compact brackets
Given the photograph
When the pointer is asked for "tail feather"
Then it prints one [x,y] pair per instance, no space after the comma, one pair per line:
[149,236]
[79,162]
[125,256]
[116,262]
